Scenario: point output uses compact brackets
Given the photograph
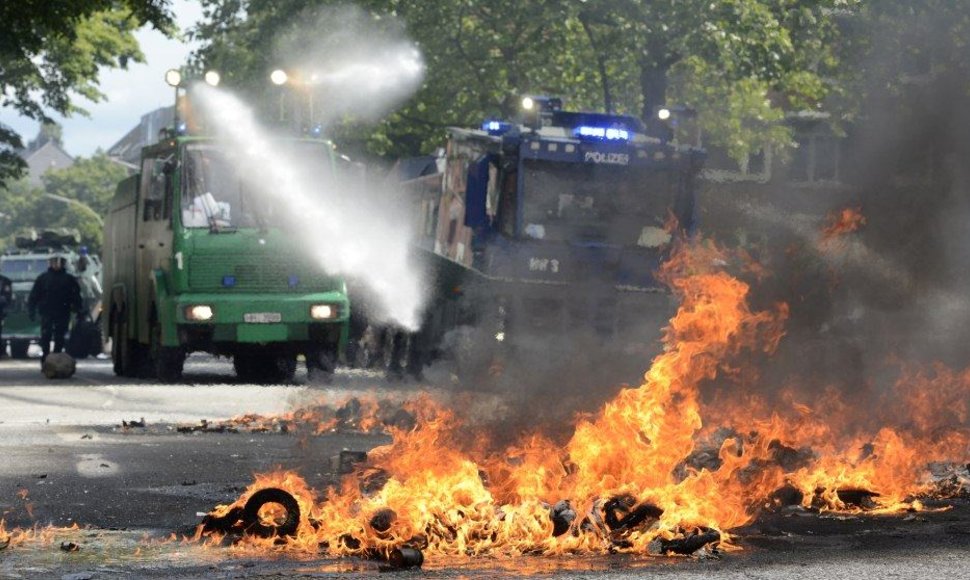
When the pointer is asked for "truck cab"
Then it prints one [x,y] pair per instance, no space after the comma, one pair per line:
[194,261]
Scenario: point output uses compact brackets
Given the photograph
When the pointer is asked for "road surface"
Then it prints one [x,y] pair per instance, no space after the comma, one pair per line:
[66,458]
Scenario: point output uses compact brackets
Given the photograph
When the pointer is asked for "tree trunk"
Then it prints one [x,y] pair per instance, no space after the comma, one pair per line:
[653,87]
[601,64]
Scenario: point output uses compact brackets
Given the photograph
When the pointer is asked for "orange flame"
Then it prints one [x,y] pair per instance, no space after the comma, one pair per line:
[844,221]
[441,487]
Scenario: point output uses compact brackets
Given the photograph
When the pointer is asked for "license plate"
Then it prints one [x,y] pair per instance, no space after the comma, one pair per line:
[262,317]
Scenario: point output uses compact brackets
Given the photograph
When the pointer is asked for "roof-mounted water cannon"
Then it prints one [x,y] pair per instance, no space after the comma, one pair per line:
[175,79]
[535,110]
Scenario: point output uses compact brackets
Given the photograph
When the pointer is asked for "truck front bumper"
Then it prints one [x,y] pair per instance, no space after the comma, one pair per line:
[261,318]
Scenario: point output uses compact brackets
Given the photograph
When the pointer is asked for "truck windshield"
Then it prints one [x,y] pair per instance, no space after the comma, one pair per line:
[611,205]
[217,194]
[21,270]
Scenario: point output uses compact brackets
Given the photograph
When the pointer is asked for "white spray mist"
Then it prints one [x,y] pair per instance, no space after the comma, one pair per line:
[352,230]
[353,64]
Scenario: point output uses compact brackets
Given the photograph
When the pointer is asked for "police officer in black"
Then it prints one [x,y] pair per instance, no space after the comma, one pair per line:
[6,299]
[55,295]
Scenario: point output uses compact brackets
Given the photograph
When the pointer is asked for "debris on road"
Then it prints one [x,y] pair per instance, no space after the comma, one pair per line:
[687,544]
[59,365]
[405,559]
[562,515]
[356,415]
[622,513]
[133,424]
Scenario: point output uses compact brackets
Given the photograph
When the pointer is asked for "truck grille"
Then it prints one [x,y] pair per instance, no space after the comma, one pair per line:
[255,274]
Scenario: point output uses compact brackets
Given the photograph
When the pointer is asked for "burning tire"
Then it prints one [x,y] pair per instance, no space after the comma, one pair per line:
[254,524]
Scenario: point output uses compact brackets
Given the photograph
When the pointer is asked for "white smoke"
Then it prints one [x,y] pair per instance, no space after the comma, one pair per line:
[354,229]
[351,229]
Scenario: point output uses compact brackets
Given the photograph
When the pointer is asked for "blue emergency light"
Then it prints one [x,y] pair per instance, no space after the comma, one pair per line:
[228,281]
[602,133]
[496,127]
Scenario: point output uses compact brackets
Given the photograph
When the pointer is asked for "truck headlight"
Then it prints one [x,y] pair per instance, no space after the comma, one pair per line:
[199,312]
[323,311]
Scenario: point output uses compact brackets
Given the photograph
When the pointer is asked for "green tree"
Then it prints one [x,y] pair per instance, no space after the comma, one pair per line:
[740,63]
[48,132]
[53,50]
[90,182]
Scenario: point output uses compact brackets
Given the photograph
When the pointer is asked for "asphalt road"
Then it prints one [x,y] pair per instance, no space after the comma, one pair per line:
[65,458]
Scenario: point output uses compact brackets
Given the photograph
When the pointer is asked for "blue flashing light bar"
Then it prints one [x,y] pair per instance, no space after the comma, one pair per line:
[496,127]
[604,133]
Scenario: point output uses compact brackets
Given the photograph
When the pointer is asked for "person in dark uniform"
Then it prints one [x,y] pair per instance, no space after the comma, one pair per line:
[55,295]
[6,299]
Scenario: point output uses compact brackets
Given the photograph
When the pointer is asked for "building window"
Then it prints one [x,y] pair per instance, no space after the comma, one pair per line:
[816,159]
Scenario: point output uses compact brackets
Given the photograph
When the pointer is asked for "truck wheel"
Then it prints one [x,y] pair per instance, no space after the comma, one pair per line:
[321,364]
[265,369]
[127,356]
[167,361]
[119,347]
[18,348]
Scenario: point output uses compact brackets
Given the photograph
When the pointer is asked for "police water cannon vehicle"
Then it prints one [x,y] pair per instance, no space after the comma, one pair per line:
[197,260]
[28,259]
[545,234]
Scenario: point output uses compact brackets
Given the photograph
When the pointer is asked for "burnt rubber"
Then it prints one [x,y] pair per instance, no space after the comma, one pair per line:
[250,515]
[222,525]
[690,544]
[622,513]
[405,558]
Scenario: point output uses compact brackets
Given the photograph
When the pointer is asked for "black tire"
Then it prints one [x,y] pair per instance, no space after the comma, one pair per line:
[250,514]
[167,361]
[264,368]
[119,342]
[18,348]
[130,358]
[321,363]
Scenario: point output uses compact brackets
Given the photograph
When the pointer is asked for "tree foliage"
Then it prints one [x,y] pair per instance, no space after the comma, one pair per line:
[740,63]
[52,51]
[89,181]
